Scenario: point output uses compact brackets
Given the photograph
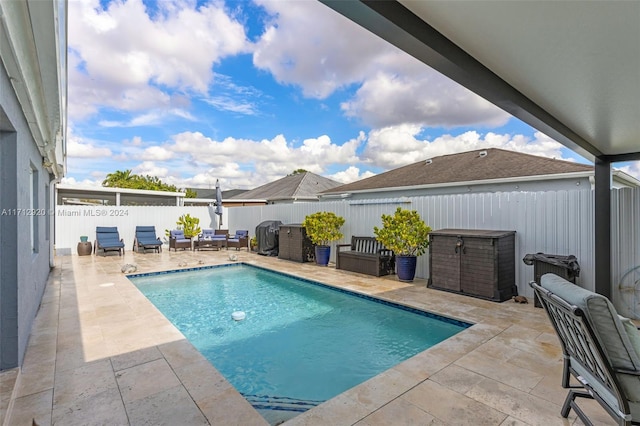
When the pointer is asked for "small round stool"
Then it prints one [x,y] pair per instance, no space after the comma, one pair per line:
[84,248]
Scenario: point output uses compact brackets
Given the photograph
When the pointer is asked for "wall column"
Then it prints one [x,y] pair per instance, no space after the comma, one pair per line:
[602,249]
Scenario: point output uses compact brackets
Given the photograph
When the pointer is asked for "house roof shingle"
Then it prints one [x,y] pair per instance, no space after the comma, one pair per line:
[465,167]
[297,186]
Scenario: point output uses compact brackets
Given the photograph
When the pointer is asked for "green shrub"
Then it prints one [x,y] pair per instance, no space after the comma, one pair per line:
[404,232]
[323,227]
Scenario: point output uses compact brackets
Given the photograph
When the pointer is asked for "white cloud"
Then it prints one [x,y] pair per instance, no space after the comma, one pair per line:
[122,57]
[319,50]
[79,148]
[396,146]
[351,174]
[150,168]
[632,168]
[157,153]
[428,99]
[311,46]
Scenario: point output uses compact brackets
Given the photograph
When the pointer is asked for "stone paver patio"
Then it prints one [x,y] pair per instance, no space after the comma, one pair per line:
[101,354]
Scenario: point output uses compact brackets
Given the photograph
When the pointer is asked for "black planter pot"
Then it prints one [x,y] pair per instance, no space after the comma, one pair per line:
[322,255]
[406,267]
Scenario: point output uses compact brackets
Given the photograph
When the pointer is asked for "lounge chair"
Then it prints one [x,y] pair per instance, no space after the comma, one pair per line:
[209,239]
[239,240]
[147,239]
[108,239]
[601,349]
[178,240]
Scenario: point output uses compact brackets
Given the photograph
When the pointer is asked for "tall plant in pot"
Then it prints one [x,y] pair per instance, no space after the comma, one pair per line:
[322,228]
[407,235]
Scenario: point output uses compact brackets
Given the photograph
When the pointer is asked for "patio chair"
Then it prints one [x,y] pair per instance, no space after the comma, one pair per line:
[601,349]
[108,239]
[147,239]
[239,240]
[178,240]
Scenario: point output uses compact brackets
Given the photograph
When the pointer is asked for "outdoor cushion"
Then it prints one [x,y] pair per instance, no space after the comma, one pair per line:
[613,336]
[108,237]
[178,235]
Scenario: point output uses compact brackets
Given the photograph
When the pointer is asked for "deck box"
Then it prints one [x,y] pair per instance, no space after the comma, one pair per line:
[474,262]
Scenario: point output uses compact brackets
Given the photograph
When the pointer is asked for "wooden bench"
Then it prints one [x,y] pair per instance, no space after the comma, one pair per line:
[366,255]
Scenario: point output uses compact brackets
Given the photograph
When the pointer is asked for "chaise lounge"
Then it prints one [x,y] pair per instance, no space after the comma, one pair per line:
[601,349]
[108,239]
[146,239]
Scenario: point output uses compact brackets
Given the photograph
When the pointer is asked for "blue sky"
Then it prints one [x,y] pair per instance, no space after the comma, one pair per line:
[248,91]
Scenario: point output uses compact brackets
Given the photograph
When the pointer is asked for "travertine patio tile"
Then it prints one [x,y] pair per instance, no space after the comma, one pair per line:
[399,412]
[520,405]
[131,359]
[230,408]
[451,407]
[337,411]
[181,353]
[146,379]
[503,372]
[35,378]
[202,380]
[169,407]
[382,388]
[103,408]
[83,382]
[32,407]
[510,421]
[457,378]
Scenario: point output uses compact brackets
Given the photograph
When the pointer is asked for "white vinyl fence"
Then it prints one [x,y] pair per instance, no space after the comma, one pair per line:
[559,222]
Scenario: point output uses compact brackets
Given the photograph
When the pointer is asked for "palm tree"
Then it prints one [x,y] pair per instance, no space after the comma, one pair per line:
[118,179]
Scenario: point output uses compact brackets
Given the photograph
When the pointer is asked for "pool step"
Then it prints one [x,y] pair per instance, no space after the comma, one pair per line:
[280,403]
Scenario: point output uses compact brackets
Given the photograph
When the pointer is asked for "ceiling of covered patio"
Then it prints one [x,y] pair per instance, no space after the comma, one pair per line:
[569,69]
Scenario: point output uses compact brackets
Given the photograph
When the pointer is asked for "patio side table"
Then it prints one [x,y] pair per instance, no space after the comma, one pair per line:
[84,248]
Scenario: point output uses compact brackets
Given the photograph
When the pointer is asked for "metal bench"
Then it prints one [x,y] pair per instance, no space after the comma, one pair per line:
[366,255]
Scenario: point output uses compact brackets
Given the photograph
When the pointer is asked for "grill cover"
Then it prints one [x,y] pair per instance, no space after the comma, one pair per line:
[267,237]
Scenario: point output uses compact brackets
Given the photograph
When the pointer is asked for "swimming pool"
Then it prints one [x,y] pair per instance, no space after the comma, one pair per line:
[301,342]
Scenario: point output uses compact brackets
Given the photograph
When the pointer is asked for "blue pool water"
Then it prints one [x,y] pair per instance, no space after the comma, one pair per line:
[301,342]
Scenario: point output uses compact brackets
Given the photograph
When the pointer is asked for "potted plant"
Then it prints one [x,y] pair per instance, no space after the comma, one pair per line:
[407,235]
[322,228]
[189,226]
[253,242]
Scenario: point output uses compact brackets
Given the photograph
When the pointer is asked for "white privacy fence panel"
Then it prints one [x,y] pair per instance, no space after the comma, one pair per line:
[560,222]
[625,262]
[73,221]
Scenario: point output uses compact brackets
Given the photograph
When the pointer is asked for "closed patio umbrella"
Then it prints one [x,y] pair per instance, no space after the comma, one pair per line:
[219,203]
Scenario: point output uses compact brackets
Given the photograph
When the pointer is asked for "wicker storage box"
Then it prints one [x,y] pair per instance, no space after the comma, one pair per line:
[293,244]
[478,263]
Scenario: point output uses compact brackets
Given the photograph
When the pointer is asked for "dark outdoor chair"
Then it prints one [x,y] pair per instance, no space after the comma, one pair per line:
[147,239]
[108,239]
[601,349]
[239,240]
[178,240]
